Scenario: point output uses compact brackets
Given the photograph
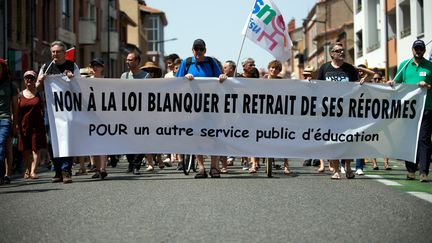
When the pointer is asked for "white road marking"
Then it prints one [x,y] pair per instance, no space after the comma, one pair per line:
[422,195]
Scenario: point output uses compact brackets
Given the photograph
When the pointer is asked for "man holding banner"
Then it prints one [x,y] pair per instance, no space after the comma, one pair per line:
[418,70]
[201,66]
[338,70]
[59,65]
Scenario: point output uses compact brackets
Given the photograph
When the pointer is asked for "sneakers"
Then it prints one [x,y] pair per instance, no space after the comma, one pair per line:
[410,176]
[423,178]
[245,166]
[66,177]
[359,172]
[342,170]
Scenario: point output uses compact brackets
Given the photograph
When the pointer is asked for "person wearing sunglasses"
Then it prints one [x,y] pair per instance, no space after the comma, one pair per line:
[418,70]
[200,65]
[340,71]
[31,127]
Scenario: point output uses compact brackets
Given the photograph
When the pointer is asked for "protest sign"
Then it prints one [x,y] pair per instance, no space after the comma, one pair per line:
[240,117]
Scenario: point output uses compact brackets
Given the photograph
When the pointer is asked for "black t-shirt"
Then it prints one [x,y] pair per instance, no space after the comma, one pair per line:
[345,73]
[59,69]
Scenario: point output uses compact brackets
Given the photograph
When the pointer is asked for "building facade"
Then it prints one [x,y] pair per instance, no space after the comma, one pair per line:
[96,28]
[328,22]
[386,29]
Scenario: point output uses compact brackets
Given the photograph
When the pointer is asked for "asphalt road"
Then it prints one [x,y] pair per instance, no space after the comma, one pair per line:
[168,206]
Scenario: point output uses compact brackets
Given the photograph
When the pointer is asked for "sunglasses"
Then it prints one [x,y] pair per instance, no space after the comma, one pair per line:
[30,78]
[199,48]
[376,79]
[338,50]
[419,48]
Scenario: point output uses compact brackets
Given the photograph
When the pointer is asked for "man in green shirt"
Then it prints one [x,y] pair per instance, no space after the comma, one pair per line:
[418,70]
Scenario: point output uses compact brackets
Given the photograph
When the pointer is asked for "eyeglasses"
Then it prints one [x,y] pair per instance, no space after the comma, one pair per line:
[338,50]
[251,65]
[419,48]
[199,48]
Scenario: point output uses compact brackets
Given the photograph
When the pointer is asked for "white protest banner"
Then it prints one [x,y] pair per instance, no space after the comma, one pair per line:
[240,117]
[266,27]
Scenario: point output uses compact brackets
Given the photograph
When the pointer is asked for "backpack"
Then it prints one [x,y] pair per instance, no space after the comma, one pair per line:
[207,60]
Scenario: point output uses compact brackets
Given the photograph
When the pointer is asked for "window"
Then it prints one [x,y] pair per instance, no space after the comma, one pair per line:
[405,18]
[66,14]
[359,43]
[92,12]
[373,27]
[112,24]
[420,18]
[153,37]
[359,5]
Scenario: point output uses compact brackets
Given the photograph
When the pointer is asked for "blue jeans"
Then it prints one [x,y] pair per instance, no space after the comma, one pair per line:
[63,164]
[359,164]
[5,129]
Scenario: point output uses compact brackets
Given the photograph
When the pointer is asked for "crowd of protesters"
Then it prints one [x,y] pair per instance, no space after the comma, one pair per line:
[24,125]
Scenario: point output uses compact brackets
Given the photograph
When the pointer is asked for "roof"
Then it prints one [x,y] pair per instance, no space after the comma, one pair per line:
[126,19]
[155,11]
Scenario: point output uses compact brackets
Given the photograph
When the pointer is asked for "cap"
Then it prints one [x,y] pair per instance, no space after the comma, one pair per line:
[199,42]
[97,61]
[30,73]
[418,43]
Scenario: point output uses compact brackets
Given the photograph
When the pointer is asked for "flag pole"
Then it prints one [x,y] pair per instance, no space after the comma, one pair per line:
[244,38]
[238,58]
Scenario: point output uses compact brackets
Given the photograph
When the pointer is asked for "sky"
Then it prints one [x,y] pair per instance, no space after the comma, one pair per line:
[220,23]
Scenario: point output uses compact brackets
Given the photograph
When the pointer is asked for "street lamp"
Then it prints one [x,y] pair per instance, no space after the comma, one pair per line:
[162,41]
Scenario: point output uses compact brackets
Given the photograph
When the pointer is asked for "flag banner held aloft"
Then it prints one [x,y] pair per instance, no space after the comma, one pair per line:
[266,27]
[240,117]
